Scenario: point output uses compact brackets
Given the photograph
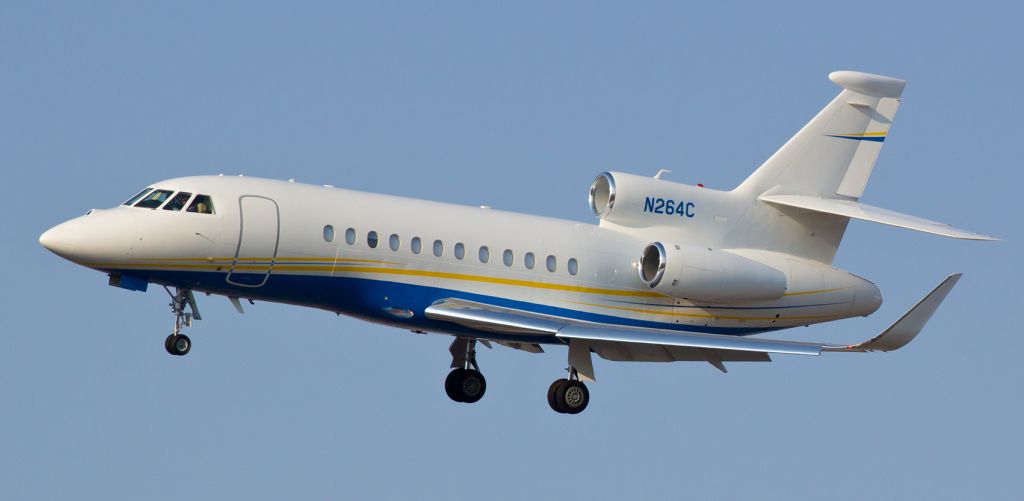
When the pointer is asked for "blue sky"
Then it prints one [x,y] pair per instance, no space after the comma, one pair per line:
[518,107]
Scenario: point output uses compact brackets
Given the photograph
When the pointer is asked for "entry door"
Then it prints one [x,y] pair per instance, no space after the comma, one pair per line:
[259,222]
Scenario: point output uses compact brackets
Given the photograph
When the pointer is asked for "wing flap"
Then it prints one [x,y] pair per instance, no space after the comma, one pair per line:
[865,212]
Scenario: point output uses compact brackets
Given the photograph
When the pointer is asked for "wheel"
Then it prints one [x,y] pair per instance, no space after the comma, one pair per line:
[178,345]
[465,385]
[472,386]
[572,397]
[552,391]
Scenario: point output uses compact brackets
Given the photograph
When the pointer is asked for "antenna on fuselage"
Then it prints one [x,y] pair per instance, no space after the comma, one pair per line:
[662,172]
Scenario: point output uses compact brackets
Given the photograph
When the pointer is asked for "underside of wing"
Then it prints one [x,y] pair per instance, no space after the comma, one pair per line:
[617,343]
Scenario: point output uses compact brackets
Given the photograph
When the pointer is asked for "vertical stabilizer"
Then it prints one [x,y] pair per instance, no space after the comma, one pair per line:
[830,157]
[834,153]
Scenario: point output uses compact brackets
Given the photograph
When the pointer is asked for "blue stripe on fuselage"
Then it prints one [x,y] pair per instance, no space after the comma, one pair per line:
[368,299]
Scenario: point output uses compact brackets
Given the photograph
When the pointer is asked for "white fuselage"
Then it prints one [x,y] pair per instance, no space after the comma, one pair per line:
[271,240]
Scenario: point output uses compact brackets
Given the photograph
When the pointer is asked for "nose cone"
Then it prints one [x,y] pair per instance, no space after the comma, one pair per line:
[59,240]
[98,237]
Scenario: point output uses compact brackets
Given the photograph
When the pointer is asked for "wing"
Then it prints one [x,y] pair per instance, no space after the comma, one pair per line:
[640,344]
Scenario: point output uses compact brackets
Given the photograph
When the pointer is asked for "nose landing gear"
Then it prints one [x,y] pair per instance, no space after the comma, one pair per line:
[177,343]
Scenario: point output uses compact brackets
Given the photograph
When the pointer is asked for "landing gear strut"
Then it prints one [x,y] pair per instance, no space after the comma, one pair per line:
[465,383]
[569,396]
[177,343]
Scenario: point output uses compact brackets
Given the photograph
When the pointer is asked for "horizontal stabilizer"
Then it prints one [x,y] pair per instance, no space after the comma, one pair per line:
[865,212]
[908,326]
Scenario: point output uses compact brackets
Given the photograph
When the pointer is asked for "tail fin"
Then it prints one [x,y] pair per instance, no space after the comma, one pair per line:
[830,157]
[834,153]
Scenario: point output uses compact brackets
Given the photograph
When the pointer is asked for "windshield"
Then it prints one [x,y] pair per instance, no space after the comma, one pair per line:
[154,200]
[138,196]
[178,201]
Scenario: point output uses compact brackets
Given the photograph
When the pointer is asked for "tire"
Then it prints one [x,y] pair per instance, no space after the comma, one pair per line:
[451,384]
[573,397]
[179,345]
[553,391]
[167,345]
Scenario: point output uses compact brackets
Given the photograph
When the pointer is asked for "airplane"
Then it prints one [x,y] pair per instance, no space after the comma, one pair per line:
[670,272]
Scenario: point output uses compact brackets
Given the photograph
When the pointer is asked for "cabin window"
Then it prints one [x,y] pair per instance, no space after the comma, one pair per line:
[328,233]
[178,201]
[201,204]
[154,199]
[460,251]
[350,236]
[485,254]
[507,257]
[416,245]
[529,260]
[371,239]
[438,248]
[574,267]
[138,196]
[552,264]
[394,242]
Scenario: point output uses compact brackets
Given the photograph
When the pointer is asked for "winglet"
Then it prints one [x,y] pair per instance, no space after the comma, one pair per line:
[909,325]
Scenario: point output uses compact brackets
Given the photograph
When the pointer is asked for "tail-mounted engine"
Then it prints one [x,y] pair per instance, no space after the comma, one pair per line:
[702,274]
[639,201]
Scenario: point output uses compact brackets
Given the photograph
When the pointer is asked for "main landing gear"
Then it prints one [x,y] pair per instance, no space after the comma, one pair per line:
[569,396]
[465,383]
[177,343]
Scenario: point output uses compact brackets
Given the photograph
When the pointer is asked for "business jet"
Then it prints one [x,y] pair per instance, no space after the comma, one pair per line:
[670,272]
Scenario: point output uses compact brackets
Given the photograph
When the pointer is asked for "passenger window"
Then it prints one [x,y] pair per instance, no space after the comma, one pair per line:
[574,267]
[529,260]
[552,264]
[371,239]
[350,236]
[416,245]
[485,254]
[138,196]
[460,251]
[178,201]
[154,200]
[394,242]
[201,204]
[507,257]
[438,248]
[328,233]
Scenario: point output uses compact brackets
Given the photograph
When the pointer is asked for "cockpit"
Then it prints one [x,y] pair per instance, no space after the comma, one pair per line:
[154,199]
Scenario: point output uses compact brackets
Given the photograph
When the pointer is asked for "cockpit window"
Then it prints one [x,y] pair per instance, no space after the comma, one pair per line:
[154,200]
[202,204]
[178,201]
[138,197]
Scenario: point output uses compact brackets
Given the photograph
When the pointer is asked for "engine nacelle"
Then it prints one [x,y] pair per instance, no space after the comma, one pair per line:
[640,201]
[701,274]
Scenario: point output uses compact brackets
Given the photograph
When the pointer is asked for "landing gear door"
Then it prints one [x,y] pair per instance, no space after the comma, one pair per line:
[259,229]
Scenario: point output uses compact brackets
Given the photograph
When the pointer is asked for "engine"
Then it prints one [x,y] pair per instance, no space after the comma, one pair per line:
[639,201]
[702,274]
